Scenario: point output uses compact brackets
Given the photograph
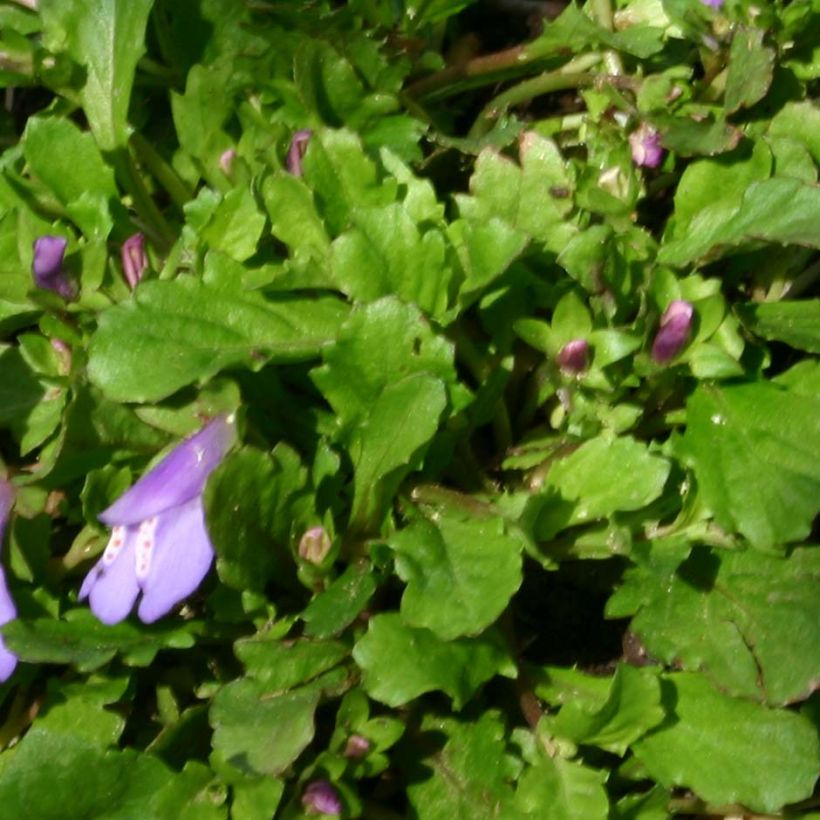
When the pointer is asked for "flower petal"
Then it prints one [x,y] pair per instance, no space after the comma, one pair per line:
[111,586]
[181,559]
[6,500]
[8,612]
[178,478]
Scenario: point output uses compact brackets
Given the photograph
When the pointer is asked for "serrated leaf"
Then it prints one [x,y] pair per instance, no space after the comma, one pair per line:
[748,622]
[460,573]
[631,708]
[466,778]
[750,69]
[178,332]
[753,447]
[401,662]
[729,750]
[334,609]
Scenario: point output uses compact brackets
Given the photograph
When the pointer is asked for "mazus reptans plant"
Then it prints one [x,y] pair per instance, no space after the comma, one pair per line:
[8,612]
[159,545]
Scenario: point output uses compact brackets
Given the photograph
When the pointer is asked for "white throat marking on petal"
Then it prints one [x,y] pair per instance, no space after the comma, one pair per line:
[145,547]
[114,545]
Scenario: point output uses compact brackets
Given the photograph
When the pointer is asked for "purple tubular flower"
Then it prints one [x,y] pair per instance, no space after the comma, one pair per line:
[673,331]
[298,146]
[715,4]
[8,611]
[573,358]
[134,259]
[645,143]
[159,545]
[321,798]
[47,266]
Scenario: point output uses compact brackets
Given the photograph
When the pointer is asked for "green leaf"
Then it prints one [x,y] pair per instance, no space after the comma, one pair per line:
[81,640]
[259,731]
[602,476]
[236,225]
[401,662]
[460,573]
[632,707]
[795,323]
[106,37]
[730,751]
[570,790]
[753,449]
[750,70]
[248,504]
[467,777]
[39,777]
[178,332]
[293,216]
[747,621]
[334,609]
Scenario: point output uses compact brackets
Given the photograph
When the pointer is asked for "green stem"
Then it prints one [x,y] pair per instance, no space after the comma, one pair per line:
[536,87]
[602,12]
[162,172]
[154,223]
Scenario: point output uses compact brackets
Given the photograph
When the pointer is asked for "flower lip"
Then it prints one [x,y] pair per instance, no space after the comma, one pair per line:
[673,331]
[645,143]
[320,797]
[178,478]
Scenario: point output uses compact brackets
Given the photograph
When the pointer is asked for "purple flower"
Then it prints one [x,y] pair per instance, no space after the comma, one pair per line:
[715,4]
[321,798]
[226,159]
[645,142]
[573,358]
[298,146]
[8,611]
[159,545]
[134,259]
[47,266]
[356,747]
[673,331]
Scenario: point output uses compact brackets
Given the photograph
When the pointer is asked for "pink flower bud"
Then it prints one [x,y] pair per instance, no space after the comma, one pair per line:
[573,357]
[357,747]
[673,331]
[314,545]
[134,259]
[321,798]
[226,159]
[298,146]
[645,143]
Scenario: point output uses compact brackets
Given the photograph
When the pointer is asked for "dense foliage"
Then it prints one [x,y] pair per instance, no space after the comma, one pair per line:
[498,321]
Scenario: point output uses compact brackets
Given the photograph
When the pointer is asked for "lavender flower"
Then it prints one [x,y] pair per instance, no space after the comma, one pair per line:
[8,612]
[134,259]
[573,358]
[356,747]
[159,545]
[715,4]
[298,146]
[47,266]
[321,798]
[226,160]
[645,142]
[673,331]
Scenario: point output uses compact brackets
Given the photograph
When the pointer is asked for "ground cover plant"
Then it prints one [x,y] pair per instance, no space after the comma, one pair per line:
[409,409]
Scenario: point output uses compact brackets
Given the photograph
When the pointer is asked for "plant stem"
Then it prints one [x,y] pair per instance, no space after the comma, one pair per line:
[536,87]
[602,12]
[162,172]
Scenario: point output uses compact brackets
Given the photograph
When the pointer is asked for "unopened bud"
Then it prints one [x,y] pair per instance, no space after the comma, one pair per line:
[47,266]
[357,747]
[298,146]
[645,142]
[314,545]
[134,259]
[573,358]
[673,331]
[321,798]
[226,159]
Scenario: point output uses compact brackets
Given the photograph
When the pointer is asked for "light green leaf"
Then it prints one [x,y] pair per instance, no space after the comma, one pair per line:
[236,225]
[401,662]
[182,331]
[107,38]
[795,323]
[729,750]
[750,69]
[753,447]
[460,573]
[561,789]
